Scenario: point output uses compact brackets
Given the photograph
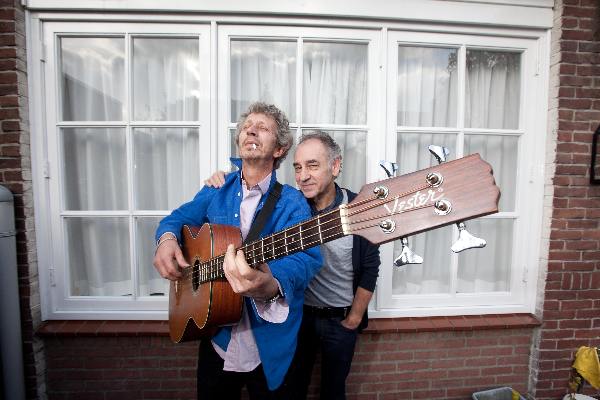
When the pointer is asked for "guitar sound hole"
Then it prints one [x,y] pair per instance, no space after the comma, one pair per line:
[196,275]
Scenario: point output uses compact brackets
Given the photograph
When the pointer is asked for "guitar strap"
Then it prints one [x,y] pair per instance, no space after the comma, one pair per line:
[264,213]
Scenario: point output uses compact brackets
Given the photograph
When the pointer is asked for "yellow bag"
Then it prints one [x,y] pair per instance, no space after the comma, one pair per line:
[587,365]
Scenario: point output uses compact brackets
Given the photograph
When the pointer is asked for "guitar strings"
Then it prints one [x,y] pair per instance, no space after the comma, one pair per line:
[208,271]
[217,261]
[207,268]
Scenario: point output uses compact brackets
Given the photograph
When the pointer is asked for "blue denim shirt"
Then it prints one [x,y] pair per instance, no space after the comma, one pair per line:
[276,342]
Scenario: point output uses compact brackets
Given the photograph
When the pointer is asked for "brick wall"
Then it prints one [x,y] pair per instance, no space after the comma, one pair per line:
[15,174]
[425,365]
[120,368]
[571,310]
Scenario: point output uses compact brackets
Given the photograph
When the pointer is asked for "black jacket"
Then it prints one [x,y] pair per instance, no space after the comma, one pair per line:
[365,262]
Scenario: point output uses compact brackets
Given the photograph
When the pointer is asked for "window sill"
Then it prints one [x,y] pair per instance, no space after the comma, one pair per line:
[377,325]
[453,323]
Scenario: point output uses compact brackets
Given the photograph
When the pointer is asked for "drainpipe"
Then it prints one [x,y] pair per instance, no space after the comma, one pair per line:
[11,344]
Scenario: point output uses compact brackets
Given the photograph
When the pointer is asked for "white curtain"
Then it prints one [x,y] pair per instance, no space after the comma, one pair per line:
[95,161]
[335,92]
[492,90]
[334,87]
[263,71]
[427,96]
[427,86]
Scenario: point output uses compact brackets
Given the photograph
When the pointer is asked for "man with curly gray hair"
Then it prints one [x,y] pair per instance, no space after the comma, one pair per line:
[244,354]
[284,138]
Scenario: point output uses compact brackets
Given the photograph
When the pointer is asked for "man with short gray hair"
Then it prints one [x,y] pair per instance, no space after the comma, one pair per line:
[336,300]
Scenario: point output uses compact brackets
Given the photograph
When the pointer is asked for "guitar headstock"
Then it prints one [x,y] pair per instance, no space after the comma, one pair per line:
[451,192]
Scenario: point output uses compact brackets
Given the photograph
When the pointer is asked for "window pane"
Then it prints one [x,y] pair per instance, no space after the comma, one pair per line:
[335,83]
[263,71]
[93,79]
[431,277]
[413,150]
[233,148]
[150,282]
[166,85]
[95,171]
[493,89]
[487,269]
[98,251]
[427,86]
[166,171]
[502,153]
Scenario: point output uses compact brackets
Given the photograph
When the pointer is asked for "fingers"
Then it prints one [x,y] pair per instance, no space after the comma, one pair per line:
[220,175]
[244,269]
[230,269]
[216,180]
[168,260]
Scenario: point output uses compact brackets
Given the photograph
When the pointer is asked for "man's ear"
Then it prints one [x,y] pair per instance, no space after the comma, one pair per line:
[336,167]
[279,152]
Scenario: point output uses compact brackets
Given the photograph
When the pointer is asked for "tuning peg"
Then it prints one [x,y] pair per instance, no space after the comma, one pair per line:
[407,256]
[389,167]
[439,152]
[466,240]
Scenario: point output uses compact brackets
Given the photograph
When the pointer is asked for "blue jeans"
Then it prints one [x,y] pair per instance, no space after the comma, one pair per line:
[336,343]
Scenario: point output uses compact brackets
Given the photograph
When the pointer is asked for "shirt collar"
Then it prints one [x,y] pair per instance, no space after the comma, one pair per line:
[339,197]
[262,185]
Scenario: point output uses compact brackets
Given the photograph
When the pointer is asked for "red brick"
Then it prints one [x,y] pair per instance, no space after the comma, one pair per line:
[8,77]
[8,53]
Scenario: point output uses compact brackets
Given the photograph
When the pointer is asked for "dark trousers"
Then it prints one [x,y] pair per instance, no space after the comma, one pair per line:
[337,349]
[216,384]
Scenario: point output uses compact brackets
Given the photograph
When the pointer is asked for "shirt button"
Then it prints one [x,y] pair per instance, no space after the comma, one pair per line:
[238,194]
[236,215]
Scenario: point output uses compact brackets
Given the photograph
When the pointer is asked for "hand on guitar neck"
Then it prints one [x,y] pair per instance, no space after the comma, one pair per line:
[256,283]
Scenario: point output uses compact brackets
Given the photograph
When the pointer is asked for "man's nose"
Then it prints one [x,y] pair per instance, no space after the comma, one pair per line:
[303,175]
[252,131]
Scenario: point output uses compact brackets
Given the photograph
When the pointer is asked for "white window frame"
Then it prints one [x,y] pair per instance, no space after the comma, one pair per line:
[54,273]
[529,184]
[371,38]
[381,134]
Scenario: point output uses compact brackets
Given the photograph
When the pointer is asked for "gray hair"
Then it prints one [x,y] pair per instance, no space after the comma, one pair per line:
[284,137]
[333,149]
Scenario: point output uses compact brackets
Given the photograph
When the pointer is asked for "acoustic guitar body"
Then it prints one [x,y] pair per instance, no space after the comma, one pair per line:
[196,309]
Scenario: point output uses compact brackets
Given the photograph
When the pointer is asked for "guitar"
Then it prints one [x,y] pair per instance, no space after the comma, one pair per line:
[202,300]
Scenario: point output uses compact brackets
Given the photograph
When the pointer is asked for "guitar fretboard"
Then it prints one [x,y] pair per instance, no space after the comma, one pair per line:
[320,229]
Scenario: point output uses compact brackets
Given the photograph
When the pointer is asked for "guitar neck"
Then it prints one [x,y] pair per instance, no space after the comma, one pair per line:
[320,229]
[383,211]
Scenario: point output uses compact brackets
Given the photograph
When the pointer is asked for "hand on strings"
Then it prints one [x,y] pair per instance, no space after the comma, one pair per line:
[257,283]
[169,260]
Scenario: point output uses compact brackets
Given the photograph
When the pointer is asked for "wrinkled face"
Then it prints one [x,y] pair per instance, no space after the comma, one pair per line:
[258,139]
[314,174]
